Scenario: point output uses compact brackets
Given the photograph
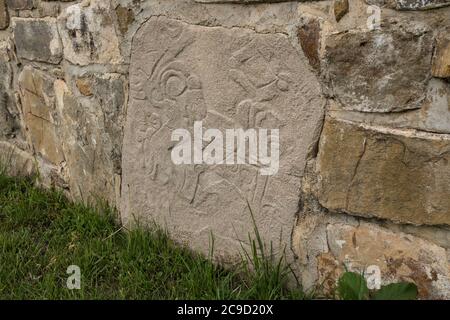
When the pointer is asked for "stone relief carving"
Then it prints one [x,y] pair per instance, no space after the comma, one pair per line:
[228,79]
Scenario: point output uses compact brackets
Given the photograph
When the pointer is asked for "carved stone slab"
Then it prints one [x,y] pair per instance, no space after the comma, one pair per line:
[227,78]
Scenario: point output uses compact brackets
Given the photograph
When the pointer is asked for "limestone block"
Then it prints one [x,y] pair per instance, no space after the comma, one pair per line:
[379,71]
[441,59]
[4,17]
[398,256]
[8,111]
[410,5]
[433,116]
[91,134]
[37,96]
[88,34]
[400,175]
[228,78]
[366,247]
[37,39]
[15,162]
[20,4]
[420,4]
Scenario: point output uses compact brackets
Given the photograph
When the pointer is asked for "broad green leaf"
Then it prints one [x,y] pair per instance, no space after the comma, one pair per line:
[397,291]
[352,286]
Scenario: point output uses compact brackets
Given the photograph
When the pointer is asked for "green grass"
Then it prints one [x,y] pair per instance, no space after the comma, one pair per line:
[42,233]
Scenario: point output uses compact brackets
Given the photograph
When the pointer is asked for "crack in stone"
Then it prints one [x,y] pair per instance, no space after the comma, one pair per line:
[355,172]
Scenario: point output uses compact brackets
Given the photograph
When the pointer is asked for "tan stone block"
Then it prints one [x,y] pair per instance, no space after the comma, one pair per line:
[36,89]
[14,161]
[37,39]
[398,257]
[90,131]
[329,244]
[400,175]
[379,71]
[9,114]
[4,17]
[20,4]
[433,116]
[441,59]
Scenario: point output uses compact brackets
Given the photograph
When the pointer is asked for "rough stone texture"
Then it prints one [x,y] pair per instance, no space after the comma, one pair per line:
[410,5]
[237,82]
[398,256]
[4,17]
[340,9]
[84,86]
[420,4]
[37,39]
[433,116]
[388,173]
[309,37]
[441,59]
[89,35]
[20,4]
[14,161]
[125,18]
[37,97]
[326,244]
[379,71]
[8,112]
[91,136]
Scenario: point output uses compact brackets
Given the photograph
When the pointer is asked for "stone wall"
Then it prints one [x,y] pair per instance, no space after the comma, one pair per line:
[360,91]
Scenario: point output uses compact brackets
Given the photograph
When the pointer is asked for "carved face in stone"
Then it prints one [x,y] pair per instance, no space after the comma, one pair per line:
[174,87]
